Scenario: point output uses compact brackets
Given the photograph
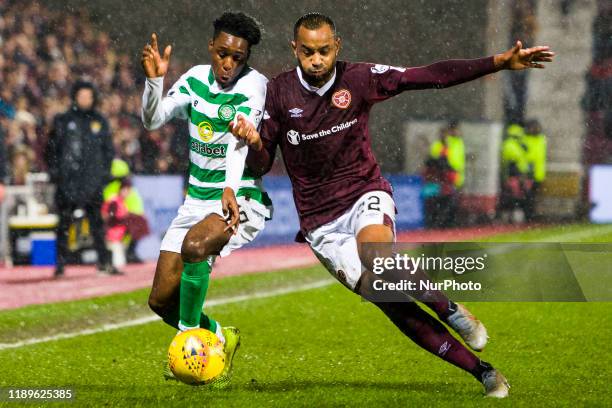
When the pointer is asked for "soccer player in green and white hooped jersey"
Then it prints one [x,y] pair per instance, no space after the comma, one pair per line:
[225,206]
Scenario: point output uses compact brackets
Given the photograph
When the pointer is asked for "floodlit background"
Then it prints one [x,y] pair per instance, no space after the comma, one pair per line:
[306,340]
[47,45]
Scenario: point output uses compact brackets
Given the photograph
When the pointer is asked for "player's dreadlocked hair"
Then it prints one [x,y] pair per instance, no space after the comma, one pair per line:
[239,25]
[312,21]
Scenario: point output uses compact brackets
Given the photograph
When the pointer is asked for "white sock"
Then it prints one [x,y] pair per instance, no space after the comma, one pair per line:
[183,328]
[219,333]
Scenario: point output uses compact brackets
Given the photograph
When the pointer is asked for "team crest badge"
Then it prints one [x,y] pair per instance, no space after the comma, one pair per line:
[95,127]
[341,99]
[205,130]
[226,112]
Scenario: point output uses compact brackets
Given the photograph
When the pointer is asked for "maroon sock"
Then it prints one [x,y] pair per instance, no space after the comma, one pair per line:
[436,300]
[443,308]
[430,334]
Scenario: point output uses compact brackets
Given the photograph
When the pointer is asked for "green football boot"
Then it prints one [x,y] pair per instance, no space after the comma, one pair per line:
[232,342]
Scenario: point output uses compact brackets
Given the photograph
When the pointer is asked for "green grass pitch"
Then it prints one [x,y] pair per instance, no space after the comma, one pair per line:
[316,347]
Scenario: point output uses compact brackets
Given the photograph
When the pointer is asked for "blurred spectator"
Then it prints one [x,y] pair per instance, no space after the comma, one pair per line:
[597,100]
[115,214]
[444,175]
[79,156]
[535,143]
[523,26]
[131,224]
[514,175]
[21,159]
[3,163]
[42,52]
[438,192]
[450,144]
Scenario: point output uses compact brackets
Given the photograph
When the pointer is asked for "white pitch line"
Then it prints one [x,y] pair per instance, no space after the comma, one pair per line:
[569,236]
[148,319]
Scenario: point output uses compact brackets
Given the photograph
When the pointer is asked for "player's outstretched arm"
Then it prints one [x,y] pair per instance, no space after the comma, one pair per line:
[518,58]
[444,74]
[156,110]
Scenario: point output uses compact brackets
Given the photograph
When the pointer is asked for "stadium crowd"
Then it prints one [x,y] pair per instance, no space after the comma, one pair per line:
[597,99]
[41,52]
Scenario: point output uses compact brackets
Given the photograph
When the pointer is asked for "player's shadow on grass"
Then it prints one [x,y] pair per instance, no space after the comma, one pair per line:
[406,386]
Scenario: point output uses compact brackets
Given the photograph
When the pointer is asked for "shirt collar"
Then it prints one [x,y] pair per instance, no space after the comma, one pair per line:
[319,91]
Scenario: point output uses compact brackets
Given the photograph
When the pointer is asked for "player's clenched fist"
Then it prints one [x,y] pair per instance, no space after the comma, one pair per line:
[245,130]
[154,64]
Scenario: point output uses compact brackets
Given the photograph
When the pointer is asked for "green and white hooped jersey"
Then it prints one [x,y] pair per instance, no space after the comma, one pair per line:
[217,158]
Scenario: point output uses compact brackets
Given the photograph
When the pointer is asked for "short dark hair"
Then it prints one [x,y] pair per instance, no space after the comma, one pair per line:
[83,84]
[312,21]
[239,25]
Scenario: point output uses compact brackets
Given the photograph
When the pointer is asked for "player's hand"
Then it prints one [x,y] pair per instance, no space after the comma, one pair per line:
[518,58]
[231,211]
[244,129]
[1,192]
[154,64]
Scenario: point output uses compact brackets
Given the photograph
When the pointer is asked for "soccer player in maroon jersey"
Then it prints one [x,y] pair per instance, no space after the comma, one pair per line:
[318,115]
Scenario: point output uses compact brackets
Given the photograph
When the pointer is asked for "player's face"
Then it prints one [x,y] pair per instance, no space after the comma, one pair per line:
[229,55]
[316,52]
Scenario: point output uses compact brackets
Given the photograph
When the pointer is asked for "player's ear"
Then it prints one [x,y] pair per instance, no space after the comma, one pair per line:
[210,46]
[294,48]
[338,45]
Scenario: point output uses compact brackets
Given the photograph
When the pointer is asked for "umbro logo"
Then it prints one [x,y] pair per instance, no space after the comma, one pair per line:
[296,112]
[444,348]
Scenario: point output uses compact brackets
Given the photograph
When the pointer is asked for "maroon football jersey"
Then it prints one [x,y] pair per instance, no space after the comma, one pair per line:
[324,135]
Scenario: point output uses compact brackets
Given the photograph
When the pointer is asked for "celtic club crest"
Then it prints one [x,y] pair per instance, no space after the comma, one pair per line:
[226,112]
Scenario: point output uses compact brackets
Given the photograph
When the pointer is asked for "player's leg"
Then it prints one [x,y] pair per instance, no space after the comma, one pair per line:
[374,223]
[337,251]
[203,241]
[164,298]
[253,215]
[431,335]
[165,292]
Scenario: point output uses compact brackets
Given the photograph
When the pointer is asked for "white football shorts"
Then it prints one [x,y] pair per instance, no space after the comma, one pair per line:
[335,243]
[253,216]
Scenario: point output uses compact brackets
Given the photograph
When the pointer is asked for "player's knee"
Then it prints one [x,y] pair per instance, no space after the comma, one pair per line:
[197,249]
[194,249]
[374,241]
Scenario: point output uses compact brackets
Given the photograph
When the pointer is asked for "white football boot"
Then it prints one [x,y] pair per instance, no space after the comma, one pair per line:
[471,330]
[496,385]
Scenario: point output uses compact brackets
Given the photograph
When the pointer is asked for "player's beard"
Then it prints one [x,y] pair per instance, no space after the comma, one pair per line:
[319,79]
